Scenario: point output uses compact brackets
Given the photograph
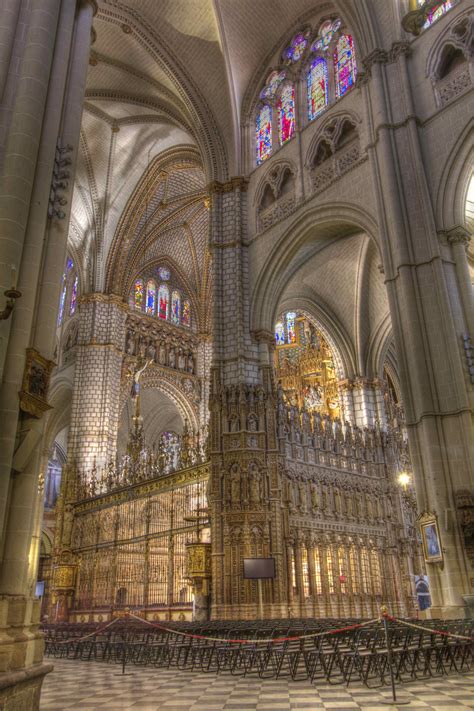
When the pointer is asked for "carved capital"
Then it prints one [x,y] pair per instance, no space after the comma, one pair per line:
[458,235]
[237,183]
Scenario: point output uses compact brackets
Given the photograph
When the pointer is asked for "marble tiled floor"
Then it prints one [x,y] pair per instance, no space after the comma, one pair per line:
[90,686]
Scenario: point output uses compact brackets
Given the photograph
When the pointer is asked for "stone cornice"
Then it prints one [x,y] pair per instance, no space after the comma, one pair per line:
[237,183]
[100,298]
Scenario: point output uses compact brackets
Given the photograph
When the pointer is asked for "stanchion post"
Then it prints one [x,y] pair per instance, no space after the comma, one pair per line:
[388,642]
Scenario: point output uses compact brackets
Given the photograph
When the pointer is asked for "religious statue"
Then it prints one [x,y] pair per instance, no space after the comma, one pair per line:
[162,354]
[313,397]
[137,374]
[255,477]
[151,351]
[235,484]
[190,367]
[314,496]
[181,360]
[171,358]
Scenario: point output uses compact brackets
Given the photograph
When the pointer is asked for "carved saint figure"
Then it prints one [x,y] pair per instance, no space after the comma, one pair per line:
[235,484]
[181,361]
[190,363]
[162,354]
[254,485]
[171,358]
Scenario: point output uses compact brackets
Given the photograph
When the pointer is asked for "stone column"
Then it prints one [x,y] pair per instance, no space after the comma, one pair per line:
[423,304]
[95,409]
[38,82]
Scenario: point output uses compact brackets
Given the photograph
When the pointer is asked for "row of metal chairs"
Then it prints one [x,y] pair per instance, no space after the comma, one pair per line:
[352,655]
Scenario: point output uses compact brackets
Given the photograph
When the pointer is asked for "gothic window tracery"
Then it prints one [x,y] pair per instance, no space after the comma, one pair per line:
[155,294]
[327,66]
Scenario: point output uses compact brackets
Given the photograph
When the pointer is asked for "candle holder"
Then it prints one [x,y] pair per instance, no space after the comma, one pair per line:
[12,295]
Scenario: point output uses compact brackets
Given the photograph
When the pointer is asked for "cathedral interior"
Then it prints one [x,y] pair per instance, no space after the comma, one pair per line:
[237,325]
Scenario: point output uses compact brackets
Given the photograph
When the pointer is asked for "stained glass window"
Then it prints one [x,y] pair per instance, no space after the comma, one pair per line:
[138,291]
[290,327]
[163,301]
[186,317]
[286,113]
[70,264]
[317,88]
[75,284]
[437,12]
[345,65]
[264,133]
[296,49]
[175,307]
[280,334]
[150,297]
[163,273]
[62,299]
[273,82]
[326,33]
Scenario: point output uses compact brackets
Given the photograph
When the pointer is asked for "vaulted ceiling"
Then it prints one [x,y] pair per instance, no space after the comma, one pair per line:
[167,74]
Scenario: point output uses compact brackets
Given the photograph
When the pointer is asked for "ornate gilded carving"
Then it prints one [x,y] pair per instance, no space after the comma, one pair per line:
[34,389]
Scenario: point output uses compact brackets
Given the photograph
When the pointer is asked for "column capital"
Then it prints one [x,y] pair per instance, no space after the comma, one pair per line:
[236,183]
[458,235]
[92,3]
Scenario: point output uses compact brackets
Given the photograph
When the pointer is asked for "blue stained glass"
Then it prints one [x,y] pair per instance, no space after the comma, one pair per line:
[72,307]
[62,299]
[273,82]
[164,273]
[296,49]
[151,297]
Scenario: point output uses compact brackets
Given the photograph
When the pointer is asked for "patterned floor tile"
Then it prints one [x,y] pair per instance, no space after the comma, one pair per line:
[89,686]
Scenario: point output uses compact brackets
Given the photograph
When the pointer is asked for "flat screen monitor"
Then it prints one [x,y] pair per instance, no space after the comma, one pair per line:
[259,568]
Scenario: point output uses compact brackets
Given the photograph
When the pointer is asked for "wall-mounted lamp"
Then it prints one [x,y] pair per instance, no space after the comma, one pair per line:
[403,479]
[12,295]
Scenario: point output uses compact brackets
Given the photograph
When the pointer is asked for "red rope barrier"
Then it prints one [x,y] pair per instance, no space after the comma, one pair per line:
[443,633]
[272,640]
[91,634]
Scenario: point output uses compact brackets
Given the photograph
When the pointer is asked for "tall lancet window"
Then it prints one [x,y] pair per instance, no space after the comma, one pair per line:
[286,113]
[186,318]
[264,133]
[318,95]
[62,299]
[163,301]
[345,67]
[151,297]
[138,294]
[175,307]
[75,285]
